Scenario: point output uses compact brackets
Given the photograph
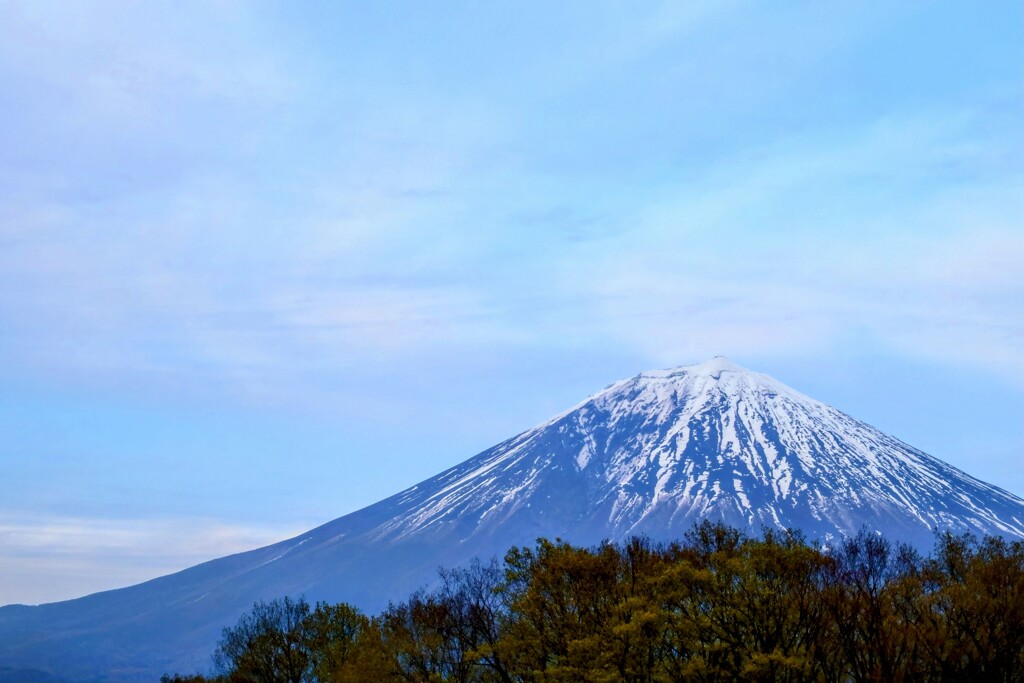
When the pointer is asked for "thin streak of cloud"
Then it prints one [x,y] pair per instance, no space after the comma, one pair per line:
[66,557]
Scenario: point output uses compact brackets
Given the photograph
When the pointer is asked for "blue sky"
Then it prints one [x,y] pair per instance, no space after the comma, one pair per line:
[263,264]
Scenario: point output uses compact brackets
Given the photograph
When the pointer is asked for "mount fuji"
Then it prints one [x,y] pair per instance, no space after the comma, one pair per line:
[651,455]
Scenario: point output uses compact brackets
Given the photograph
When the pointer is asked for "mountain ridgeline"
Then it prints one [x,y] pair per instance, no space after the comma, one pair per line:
[650,455]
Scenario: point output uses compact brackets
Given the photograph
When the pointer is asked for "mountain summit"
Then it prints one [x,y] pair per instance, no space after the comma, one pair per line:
[652,454]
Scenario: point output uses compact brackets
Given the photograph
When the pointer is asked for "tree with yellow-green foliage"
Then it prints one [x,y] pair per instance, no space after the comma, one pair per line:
[716,605]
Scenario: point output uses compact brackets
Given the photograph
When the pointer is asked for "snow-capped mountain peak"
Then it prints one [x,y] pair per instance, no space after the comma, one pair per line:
[654,453]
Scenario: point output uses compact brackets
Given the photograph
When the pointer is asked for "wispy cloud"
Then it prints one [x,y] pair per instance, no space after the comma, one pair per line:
[387,229]
[58,558]
[804,242]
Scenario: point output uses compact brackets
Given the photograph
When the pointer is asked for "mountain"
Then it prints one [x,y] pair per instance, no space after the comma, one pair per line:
[648,455]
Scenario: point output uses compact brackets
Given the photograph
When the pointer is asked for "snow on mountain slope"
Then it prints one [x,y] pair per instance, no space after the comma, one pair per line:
[656,452]
[648,455]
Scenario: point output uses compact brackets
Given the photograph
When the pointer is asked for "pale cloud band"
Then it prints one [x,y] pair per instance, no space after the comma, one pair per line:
[58,558]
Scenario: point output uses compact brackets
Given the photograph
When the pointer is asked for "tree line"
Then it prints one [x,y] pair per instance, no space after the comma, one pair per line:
[717,605]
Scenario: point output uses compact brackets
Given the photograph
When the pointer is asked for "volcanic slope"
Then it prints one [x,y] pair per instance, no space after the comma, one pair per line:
[648,455]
